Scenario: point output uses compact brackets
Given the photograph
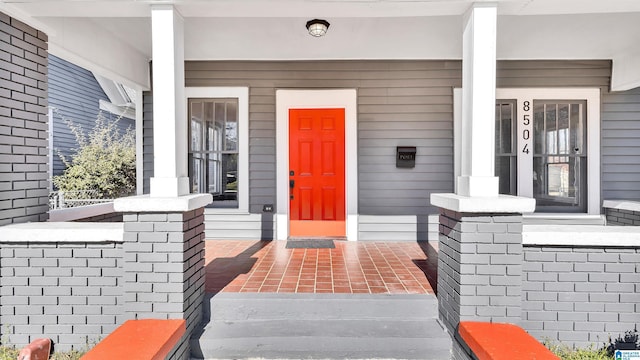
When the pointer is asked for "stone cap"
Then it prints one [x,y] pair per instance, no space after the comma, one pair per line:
[581,235]
[622,205]
[146,203]
[62,232]
[475,204]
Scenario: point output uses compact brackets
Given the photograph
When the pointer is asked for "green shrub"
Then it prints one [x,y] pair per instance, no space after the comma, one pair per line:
[11,353]
[8,353]
[105,161]
[567,353]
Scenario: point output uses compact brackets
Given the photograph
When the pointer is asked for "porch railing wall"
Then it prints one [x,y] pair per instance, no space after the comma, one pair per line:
[70,292]
[580,295]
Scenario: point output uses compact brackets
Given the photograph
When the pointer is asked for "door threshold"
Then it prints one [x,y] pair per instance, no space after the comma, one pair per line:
[303,238]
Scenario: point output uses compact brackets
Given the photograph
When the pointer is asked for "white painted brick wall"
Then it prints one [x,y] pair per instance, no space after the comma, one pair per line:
[23,123]
[580,295]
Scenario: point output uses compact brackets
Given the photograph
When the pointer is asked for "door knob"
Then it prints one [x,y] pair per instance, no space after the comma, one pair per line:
[292,183]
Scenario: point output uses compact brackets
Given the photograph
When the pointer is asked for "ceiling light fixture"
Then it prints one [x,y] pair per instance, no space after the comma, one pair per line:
[317,27]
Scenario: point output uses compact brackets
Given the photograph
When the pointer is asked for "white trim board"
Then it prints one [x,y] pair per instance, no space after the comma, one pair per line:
[242,94]
[591,95]
[342,98]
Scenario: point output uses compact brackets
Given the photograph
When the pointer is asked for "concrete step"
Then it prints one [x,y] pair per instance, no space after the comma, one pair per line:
[321,326]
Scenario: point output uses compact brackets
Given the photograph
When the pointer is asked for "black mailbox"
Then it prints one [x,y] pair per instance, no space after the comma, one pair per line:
[406,157]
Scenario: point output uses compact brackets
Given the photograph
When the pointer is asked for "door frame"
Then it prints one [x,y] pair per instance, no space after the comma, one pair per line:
[316,99]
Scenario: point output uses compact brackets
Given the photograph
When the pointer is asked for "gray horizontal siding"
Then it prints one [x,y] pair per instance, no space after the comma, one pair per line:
[399,103]
[219,226]
[75,94]
[147,140]
[621,145]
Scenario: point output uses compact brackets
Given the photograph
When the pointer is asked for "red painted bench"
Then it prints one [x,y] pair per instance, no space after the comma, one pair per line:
[139,339]
[490,341]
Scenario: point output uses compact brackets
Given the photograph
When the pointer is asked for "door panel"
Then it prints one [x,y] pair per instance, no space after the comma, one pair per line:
[559,159]
[317,172]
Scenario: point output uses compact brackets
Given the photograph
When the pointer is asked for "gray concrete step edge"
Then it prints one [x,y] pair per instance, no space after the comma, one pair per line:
[327,347]
[242,306]
[424,329]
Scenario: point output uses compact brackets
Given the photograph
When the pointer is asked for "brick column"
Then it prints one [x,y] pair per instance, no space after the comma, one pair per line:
[479,267]
[479,261]
[164,260]
[24,184]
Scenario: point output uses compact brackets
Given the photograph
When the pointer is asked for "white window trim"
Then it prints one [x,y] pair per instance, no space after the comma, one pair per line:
[591,95]
[342,98]
[242,94]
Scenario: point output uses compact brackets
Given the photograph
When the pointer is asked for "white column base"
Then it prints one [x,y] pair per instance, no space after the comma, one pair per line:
[480,186]
[494,204]
[146,203]
[168,187]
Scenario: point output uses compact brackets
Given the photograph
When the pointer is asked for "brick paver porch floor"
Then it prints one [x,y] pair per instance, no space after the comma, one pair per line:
[352,267]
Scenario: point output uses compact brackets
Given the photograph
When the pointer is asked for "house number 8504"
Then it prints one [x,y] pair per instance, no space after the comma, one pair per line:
[526,120]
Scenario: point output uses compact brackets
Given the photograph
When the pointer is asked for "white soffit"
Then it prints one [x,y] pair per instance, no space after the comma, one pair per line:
[315,8]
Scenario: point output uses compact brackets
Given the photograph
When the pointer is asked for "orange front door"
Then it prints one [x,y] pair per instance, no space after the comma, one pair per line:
[317,173]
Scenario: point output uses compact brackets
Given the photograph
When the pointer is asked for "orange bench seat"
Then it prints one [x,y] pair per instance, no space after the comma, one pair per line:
[139,339]
[496,341]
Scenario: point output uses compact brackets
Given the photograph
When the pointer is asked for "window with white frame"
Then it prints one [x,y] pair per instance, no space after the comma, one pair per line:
[218,145]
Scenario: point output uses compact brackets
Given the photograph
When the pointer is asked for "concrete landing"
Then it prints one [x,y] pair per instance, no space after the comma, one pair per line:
[321,326]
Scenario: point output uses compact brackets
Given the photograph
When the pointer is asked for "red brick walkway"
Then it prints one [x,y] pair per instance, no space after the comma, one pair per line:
[352,267]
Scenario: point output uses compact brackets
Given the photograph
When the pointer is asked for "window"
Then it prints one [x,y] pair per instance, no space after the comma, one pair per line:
[213,151]
[506,158]
[219,145]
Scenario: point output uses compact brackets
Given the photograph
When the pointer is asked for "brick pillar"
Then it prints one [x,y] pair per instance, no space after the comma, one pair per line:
[24,184]
[164,260]
[479,261]
[479,267]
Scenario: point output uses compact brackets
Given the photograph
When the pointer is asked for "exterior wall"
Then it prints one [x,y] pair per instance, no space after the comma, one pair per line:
[238,226]
[399,103]
[580,295]
[74,93]
[622,217]
[24,186]
[71,293]
[621,145]
[147,140]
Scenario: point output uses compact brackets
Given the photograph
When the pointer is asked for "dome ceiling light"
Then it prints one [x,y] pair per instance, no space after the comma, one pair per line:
[317,27]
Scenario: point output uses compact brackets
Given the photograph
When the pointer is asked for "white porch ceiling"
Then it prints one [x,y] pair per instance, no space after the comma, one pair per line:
[113,37]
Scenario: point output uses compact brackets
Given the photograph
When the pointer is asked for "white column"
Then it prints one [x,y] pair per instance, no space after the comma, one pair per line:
[478,102]
[169,109]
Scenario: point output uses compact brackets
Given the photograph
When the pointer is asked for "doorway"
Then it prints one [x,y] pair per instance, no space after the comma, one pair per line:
[317,173]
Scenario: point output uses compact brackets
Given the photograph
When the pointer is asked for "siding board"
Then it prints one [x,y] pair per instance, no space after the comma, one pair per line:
[620,145]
